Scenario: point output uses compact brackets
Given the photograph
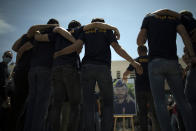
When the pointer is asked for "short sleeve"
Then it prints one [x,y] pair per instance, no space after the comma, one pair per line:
[188,22]
[24,39]
[81,34]
[111,37]
[77,32]
[178,22]
[145,23]
[130,68]
[33,42]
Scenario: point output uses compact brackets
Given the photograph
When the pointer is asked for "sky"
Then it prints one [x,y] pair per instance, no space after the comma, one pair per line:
[17,16]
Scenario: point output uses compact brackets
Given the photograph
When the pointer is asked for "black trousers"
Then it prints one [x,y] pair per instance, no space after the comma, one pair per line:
[19,98]
[66,87]
[89,75]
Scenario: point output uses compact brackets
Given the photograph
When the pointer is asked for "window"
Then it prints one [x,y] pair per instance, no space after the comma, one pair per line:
[118,74]
[132,75]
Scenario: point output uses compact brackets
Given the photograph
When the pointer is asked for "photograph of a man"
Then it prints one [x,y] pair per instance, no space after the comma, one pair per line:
[124,100]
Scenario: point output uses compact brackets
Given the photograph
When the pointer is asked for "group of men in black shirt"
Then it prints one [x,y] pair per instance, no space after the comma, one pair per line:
[49,71]
[50,74]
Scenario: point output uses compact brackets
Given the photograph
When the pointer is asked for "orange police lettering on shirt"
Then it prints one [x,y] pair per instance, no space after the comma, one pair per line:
[95,30]
[165,17]
[143,60]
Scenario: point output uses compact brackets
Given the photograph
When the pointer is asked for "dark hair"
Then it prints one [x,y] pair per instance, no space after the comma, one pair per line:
[142,48]
[74,24]
[98,20]
[53,21]
[8,53]
[186,13]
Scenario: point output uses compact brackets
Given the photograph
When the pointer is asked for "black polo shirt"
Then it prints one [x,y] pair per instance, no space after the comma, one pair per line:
[24,62]
[161,35]
[141,81]
[97,46]
[60,43]
[42,52]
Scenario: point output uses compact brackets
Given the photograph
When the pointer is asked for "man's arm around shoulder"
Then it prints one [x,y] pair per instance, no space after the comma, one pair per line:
[72,48]
[120,51]
[66,34]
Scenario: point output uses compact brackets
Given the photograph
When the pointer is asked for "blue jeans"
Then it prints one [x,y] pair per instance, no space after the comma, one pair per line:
[159,70]
[89,75]
[38,98]
[190,89]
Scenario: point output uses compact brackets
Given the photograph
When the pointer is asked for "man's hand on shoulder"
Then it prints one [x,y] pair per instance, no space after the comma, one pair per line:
[37,33]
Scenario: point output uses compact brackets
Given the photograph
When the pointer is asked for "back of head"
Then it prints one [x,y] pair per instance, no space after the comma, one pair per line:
[142,50]
[186,13]
[74,24]
[98,20]
[7,53]
[49,29]
[7,56]
[52,21]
